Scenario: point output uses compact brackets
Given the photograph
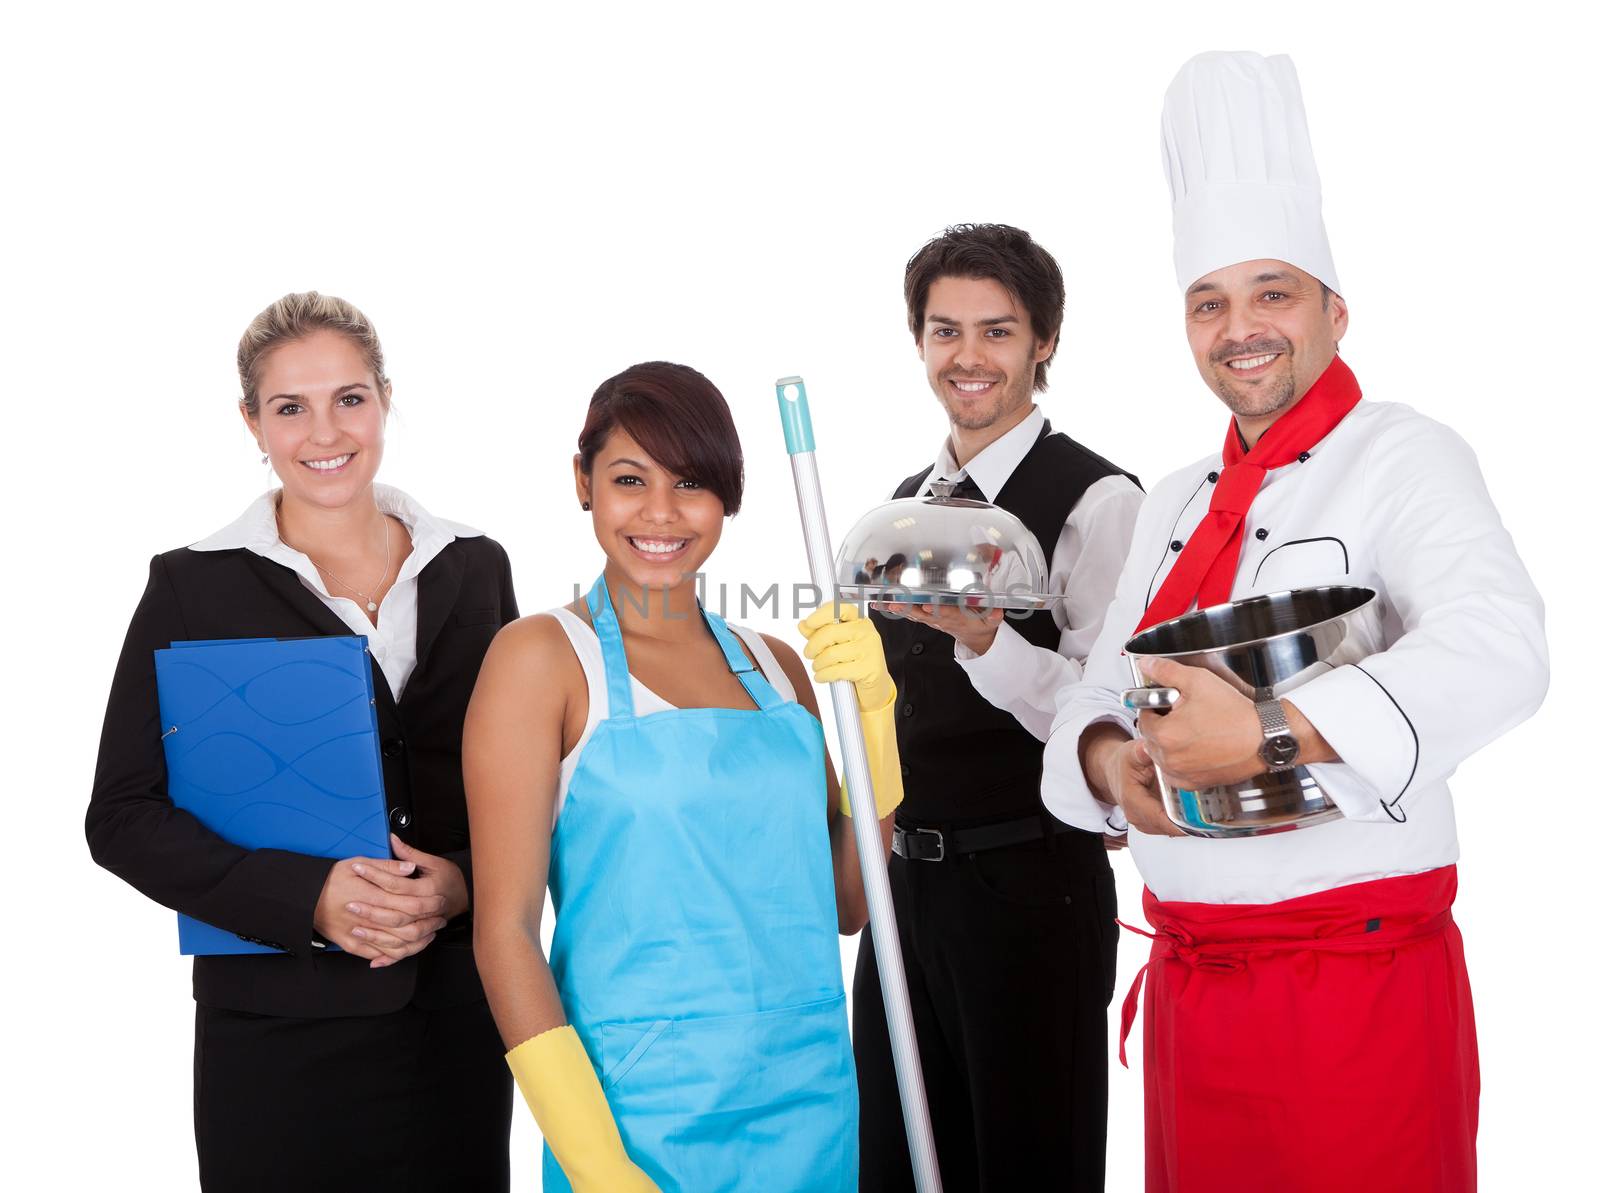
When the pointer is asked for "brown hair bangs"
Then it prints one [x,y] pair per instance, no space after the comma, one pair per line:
[678,417]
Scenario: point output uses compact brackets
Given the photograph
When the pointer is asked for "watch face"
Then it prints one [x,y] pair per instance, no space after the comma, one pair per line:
[1280,750]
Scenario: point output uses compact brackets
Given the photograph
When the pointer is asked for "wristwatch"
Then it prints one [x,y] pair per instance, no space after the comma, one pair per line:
[1278,746]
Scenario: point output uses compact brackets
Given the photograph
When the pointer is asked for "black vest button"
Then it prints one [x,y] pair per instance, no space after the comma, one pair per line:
[1262,534]
[1177,545]
[1304,456]
[905,770]
[399,817]
[392,747]
[908,709]
[918,647]
[1212,477]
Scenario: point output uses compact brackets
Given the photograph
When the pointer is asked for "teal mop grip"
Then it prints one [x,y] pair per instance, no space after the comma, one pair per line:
[796,416]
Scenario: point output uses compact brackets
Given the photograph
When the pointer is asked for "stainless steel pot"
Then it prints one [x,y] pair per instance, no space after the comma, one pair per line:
[1265,647]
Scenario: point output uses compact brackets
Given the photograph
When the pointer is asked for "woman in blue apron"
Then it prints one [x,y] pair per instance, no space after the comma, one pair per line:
[688,1031]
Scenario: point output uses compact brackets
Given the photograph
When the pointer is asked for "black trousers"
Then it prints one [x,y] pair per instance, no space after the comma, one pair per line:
[413,1101]
[1011,960]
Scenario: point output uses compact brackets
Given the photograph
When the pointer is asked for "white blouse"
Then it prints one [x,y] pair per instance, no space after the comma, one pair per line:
[392,642]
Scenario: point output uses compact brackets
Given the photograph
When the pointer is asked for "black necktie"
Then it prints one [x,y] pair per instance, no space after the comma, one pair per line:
[968,489]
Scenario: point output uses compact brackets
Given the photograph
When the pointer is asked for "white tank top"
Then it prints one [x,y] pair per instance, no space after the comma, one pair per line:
[587,647]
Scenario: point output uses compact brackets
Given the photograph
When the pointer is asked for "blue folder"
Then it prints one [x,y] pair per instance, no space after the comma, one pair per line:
[273,744]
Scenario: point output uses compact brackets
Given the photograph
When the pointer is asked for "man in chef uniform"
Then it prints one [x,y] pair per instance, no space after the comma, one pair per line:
[1308,1022]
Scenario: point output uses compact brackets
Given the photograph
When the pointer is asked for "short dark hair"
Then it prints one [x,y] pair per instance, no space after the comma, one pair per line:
[676,415]
[998,251]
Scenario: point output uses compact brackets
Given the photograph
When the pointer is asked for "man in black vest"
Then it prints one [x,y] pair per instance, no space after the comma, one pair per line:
[1006,915]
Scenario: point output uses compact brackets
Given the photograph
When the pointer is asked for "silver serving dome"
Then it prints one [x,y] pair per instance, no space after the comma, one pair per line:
[943,550]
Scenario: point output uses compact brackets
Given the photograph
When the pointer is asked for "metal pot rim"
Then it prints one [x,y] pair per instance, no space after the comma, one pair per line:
[1127,647]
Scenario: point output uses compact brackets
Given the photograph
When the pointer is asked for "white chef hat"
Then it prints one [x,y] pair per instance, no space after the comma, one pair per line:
[1238,157]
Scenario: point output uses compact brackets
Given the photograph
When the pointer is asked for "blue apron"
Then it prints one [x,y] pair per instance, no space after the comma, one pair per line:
[696,944]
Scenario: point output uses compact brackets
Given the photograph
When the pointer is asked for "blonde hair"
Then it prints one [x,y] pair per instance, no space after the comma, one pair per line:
[293,317]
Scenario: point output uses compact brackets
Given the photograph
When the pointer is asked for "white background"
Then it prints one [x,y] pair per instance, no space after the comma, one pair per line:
[526,204]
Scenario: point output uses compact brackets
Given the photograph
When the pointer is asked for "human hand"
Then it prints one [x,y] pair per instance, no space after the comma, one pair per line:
[973,625]
[848,648]
[1211,736]
[435,875]
[388,909]
[347,893]
[1120,767]
[403,914]
[560,1086]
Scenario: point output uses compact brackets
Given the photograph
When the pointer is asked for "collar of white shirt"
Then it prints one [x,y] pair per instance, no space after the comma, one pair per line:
[257,530]
[991,468]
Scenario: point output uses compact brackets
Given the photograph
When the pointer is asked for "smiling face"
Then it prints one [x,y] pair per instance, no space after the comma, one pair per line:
[320,419]
[655,527]
[1262,332]
[980,352]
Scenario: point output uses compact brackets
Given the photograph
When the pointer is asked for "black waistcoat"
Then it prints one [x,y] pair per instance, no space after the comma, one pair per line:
[964,760]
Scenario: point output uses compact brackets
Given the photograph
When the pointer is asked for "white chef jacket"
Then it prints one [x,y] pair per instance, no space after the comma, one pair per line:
[392,642]
[1389,500]
[1013,674]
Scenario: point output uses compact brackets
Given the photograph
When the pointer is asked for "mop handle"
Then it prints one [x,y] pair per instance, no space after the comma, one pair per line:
[869,845]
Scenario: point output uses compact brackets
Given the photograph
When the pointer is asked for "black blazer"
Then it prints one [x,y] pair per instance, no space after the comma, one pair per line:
[464,596]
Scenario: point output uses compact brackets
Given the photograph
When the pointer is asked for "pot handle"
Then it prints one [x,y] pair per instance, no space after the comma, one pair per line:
[1150,699]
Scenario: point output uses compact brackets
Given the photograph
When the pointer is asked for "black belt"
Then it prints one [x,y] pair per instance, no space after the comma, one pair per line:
[934,845]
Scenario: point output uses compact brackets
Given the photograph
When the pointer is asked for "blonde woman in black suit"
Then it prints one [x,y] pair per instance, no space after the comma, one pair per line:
[377,1062]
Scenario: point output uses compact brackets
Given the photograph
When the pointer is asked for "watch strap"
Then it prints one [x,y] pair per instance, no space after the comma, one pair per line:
[1274,721]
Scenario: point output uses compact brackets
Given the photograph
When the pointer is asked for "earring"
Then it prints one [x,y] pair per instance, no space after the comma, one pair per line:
[264,457]
[585,506]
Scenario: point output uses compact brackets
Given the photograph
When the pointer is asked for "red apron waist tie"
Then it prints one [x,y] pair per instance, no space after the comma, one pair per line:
[1366,917]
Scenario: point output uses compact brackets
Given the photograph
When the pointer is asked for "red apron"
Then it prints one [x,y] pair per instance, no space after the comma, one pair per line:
[1324,1043]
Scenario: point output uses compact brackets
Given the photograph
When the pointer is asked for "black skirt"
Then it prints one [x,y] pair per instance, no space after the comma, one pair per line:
[413,1101]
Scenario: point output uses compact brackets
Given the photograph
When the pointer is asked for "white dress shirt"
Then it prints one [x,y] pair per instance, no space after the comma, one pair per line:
[1013,674]
[1389,500]
[392,642]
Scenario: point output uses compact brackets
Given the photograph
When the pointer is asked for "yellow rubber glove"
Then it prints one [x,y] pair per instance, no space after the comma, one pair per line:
[850,648]
[558,1083]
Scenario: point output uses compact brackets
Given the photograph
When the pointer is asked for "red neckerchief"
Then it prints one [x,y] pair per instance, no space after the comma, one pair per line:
[1203,575]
